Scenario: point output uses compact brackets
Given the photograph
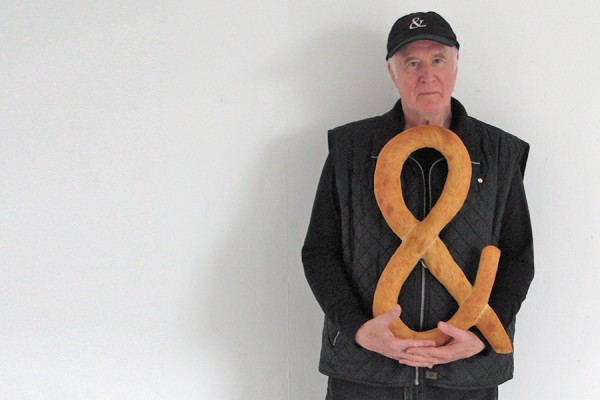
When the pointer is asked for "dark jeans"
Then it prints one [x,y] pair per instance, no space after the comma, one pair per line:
[343,390]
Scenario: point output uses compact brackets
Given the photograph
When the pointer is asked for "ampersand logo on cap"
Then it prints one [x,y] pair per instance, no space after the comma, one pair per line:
[417,23]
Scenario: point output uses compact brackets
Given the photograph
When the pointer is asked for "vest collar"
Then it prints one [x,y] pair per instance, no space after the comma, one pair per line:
[461,124]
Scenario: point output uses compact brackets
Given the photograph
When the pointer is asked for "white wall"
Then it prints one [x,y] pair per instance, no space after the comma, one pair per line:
[158,163]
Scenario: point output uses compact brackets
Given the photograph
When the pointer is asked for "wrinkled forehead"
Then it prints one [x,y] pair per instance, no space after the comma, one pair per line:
[425,46]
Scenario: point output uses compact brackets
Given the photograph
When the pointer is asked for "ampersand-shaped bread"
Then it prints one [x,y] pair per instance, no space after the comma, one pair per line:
[420,238]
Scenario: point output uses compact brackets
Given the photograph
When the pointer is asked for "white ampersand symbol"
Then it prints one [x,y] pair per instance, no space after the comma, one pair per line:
[417,23]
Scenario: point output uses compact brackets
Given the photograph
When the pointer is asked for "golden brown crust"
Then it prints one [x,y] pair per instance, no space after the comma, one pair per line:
[420,239]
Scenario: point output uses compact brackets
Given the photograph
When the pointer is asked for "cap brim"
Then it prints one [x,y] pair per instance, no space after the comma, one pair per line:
[435,38]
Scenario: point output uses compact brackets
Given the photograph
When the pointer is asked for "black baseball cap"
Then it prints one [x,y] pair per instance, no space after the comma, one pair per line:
[420,26]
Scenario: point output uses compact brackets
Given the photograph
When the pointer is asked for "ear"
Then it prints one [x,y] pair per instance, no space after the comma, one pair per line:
[457,58]
[391,72]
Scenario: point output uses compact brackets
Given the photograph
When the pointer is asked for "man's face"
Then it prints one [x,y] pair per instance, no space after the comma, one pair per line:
[424,73]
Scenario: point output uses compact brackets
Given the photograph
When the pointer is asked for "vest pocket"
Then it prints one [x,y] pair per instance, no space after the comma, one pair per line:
[335,338]
[331,333]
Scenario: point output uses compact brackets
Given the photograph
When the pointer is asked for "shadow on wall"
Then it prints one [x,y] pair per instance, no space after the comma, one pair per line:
[341,77]
[265,328]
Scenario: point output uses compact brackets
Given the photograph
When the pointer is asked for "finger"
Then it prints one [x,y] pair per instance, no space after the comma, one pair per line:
[416,361]
[394,312]
[416,365]
[450,330]
[391,315]
[434,353]
[408,343]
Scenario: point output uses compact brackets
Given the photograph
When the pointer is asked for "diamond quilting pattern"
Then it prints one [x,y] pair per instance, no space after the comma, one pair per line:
[369,243]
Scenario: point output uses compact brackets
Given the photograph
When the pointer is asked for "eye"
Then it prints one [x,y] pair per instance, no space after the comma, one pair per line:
[413,64]
[438,61]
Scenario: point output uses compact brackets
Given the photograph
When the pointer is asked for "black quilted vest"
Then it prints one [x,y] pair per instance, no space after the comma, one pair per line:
[368,244]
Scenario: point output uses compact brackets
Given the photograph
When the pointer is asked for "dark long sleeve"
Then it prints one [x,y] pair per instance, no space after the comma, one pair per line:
[323,259]
[516,267]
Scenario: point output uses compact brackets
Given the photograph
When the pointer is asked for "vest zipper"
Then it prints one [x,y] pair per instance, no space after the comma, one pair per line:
[427,189]
[423,274]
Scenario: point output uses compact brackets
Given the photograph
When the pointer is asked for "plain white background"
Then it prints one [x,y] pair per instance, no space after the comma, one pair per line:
[158,162]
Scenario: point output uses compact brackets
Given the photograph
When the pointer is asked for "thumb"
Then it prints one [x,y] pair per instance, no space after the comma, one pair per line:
[393,314]
[449,329]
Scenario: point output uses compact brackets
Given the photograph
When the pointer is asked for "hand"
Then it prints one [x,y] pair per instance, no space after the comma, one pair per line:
[462,344]
[375,335]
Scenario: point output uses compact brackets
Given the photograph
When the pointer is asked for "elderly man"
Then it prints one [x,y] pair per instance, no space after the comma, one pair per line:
[349,243]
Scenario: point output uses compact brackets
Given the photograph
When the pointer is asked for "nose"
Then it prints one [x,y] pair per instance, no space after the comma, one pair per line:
[427,74]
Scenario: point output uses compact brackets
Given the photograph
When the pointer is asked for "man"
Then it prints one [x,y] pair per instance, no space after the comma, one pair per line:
[349,243]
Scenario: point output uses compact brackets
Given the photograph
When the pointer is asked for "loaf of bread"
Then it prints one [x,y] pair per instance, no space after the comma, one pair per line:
[420,239]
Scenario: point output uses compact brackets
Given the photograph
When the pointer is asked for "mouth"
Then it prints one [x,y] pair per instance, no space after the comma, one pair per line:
[428,94]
